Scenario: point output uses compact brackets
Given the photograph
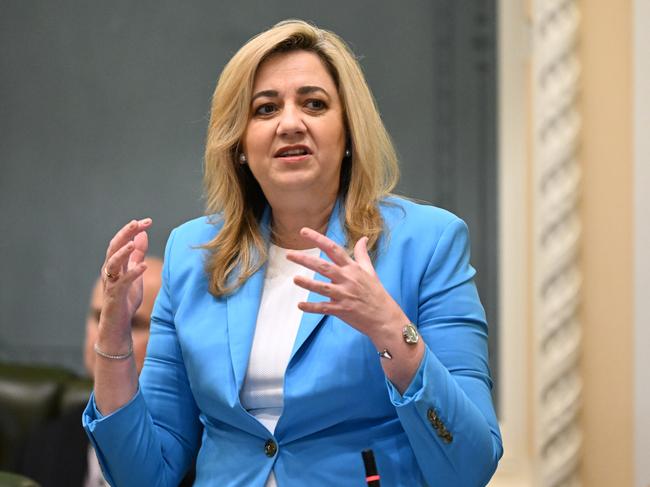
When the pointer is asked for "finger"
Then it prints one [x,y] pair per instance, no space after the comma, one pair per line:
[133,273]
[141,242]
[115,264]
[126,233]
[326,289]
[324,307]
[334,251]
[315,264]
[361,254]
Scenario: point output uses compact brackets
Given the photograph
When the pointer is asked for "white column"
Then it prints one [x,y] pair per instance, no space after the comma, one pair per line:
[556,232]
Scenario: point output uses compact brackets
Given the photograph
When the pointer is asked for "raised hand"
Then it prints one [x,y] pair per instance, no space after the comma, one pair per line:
[356,294]
[116,379]
[358,298]
[122,279]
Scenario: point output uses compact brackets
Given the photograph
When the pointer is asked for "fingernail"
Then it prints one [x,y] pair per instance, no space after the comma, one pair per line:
[145,221]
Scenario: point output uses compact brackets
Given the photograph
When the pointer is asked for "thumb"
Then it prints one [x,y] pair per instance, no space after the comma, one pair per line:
[361,254]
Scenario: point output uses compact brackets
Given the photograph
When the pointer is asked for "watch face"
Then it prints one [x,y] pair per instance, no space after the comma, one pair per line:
[410,334]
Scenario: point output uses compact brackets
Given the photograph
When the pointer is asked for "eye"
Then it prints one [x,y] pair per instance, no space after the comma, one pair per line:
[315,104]
[265,109]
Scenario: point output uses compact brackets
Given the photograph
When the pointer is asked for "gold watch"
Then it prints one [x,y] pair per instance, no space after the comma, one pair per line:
[410,334]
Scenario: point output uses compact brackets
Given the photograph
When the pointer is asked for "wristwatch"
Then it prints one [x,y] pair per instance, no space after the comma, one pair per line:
[410,334]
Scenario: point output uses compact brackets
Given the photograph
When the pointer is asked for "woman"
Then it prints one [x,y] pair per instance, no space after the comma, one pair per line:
[311,316]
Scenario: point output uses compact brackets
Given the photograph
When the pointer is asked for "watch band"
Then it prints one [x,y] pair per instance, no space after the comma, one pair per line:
[410,335]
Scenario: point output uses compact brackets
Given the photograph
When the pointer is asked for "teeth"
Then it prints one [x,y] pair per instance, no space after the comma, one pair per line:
[293,152]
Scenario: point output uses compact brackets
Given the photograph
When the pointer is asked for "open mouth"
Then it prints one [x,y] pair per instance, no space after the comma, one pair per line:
[293,151]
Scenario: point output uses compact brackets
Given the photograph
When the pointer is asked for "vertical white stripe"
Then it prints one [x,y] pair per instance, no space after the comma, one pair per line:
[642,240]
[514,55]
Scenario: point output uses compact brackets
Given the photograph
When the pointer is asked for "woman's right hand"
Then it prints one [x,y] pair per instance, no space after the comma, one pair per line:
[116,380]
[122,286]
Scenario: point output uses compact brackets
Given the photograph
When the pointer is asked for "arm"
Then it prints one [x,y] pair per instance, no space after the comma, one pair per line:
[116,378]
[158,429]
[453,382]
[446,409]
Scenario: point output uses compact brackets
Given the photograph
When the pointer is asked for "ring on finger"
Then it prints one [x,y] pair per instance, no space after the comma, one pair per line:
[109,276]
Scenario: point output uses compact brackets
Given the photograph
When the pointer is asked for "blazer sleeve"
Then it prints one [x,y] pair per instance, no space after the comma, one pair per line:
[153,439]
[447,409]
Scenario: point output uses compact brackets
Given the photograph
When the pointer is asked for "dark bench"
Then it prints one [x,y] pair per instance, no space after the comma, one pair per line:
[30,396]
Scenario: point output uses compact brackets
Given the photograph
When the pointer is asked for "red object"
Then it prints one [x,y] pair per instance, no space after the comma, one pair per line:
[372,475]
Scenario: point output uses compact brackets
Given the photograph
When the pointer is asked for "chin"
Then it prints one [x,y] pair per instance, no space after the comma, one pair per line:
[297,183]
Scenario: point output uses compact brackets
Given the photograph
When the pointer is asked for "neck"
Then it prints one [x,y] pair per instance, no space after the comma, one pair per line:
[288,221]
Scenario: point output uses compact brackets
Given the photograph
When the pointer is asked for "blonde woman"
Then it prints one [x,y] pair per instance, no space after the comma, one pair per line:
[311,315]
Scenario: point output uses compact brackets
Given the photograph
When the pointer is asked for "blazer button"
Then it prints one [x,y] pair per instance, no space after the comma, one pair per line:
[270,448]
[433,418]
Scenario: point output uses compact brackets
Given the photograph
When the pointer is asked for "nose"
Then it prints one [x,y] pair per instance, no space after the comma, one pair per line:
[291,121]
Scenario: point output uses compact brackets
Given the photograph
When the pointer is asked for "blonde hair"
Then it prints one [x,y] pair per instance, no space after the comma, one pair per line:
[231,191]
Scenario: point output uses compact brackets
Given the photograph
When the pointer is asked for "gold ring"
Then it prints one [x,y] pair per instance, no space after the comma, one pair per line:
[109,276]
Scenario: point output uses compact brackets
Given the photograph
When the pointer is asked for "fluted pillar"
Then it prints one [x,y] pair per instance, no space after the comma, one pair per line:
[556,229]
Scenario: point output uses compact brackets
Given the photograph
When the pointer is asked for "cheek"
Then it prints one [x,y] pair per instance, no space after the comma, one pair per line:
[257,138]
[334,133]
[335,144]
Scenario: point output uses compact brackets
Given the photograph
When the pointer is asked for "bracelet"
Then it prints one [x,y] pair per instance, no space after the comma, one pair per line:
[115,357]
[385,354]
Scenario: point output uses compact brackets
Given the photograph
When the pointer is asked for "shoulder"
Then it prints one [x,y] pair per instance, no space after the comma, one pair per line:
[198,231]
[404,214]
[185,252]
[191,236]
[422,230]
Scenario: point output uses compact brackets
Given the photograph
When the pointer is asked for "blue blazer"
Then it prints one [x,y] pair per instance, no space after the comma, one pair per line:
[442,432]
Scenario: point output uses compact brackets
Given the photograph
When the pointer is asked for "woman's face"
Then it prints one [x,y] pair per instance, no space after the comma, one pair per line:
[295,138]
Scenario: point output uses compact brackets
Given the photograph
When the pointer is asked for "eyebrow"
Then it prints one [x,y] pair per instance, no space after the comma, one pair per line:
[265,93]
[303,90]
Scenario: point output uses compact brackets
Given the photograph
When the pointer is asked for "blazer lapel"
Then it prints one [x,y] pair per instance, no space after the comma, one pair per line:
[243,306]
[310,321]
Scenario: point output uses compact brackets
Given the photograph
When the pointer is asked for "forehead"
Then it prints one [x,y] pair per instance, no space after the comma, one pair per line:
[293,68]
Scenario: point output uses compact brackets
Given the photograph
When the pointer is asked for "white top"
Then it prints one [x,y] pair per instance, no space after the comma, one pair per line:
[277,325]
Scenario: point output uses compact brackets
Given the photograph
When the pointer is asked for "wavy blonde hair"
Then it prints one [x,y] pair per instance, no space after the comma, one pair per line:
[232,193]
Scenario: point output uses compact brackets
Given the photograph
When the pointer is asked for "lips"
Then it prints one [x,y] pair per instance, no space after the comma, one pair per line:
[292,151]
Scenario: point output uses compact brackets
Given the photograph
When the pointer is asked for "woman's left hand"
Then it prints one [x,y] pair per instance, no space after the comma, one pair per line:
[356,294]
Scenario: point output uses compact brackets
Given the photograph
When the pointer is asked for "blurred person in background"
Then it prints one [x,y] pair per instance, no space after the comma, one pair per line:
[59,453]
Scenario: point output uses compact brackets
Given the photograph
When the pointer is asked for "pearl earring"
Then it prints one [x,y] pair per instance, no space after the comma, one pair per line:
[348,153]
[242,158]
